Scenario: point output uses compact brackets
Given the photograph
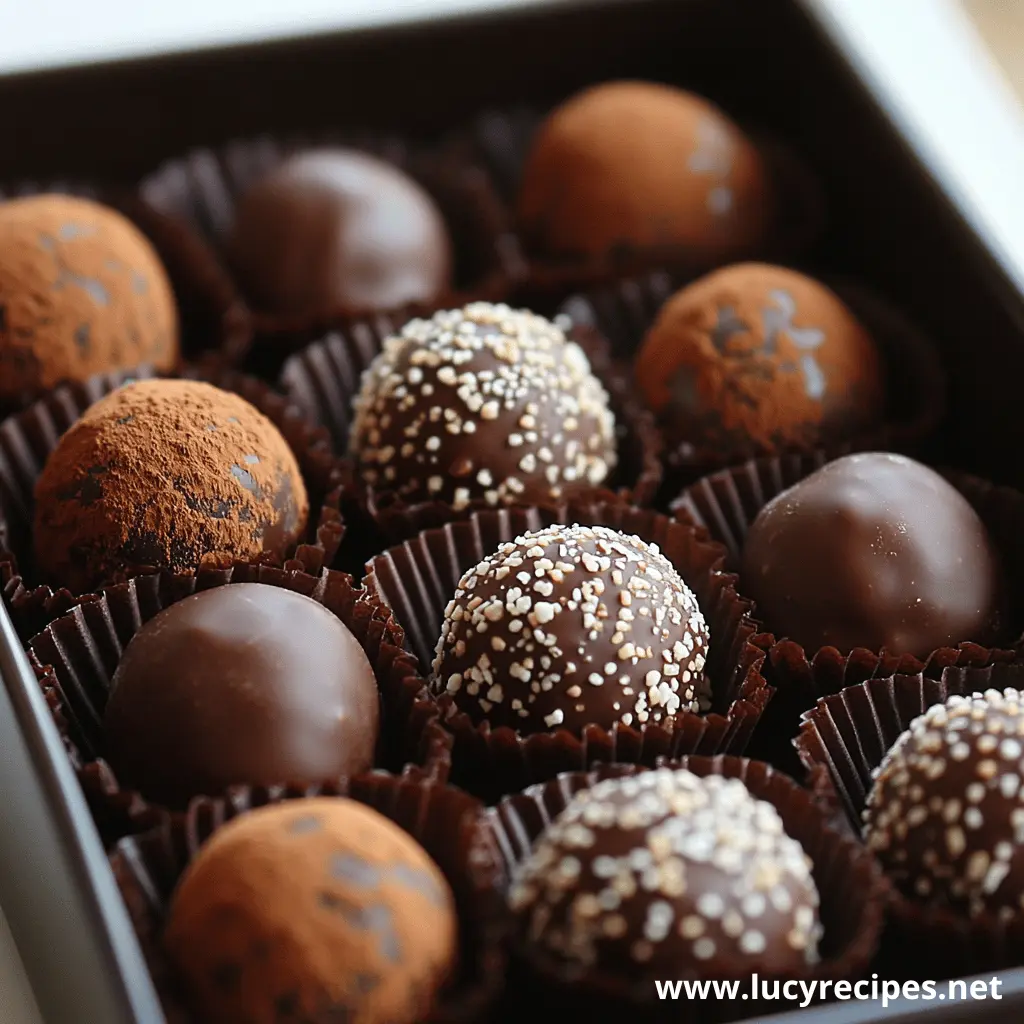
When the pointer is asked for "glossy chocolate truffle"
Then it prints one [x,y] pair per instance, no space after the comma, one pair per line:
[158,474]
[875,551]
[634,165]
[755,359]
[81,292]
[664,874]
[945,816]
[313,910]
[338,229]
[241,684]
[483,404]
[573,625]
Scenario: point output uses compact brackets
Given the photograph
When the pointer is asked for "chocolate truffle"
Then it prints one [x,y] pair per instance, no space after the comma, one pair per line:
[482,404]
[945,816]
[158,474]
[664,874]
[337,229]
[81,292]
[313,910]
[877,551]
[754,359]
[573,625]
[243,684]
[630,166]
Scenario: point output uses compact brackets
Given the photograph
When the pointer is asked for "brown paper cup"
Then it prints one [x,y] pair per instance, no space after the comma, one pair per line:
[727,502]
[916,385]
[76,655]
[210,317]
[444,821]
[27,439]
[324,379]
[503,138]
[417,579]
[842,739]
[852,890]
[201,190]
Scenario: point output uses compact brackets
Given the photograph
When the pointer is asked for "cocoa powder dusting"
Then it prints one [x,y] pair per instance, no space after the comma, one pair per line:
[159,474]
[81,292]
[754,359]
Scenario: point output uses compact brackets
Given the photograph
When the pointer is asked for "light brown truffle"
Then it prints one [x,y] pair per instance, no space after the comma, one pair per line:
[81,292]
[630,166]
[158,474]
[753,359]
[313,910]
[485,404]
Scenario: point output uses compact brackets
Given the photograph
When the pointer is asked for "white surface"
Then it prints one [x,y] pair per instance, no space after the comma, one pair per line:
[47,33]
[952,103]
[17,1005]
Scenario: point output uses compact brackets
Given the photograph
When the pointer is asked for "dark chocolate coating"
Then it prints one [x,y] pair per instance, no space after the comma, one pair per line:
[571,626]
[945,817]
[664,874]
[878,551]
[241,684]
[337,229]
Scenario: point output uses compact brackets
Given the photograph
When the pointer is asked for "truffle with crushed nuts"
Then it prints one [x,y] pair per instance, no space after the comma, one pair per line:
[570,626]
[945,816]
[665,874]
[483,404]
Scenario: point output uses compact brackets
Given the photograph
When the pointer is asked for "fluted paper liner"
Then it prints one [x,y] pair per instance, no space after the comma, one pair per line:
[842,739]
[915,385]
[324,380]
[727,503]
[851,887]
[209,314]
[444,821]
[418,578]
[28,438]
[76,656]
[201,191]
[503,137]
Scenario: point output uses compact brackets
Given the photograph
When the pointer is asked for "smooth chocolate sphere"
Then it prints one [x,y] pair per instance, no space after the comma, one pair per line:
[313,910]
[486,404]
[635,166]
[336,229]
[243,684]
[754,359]
[570,626]
[159,474]
[878,551]
[665,874]
[945,816]
[82,292]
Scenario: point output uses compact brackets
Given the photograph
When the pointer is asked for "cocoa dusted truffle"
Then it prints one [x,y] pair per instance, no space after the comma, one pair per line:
[755,359]
[665,874]
[81,292]
[945,816]
[244,684]
[572,625]
[877,551]
[158,474]
[313,910]
[336,228]
[484,403]
[630,166]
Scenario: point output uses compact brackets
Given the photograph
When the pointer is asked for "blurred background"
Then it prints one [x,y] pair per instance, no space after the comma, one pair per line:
[1001,24]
